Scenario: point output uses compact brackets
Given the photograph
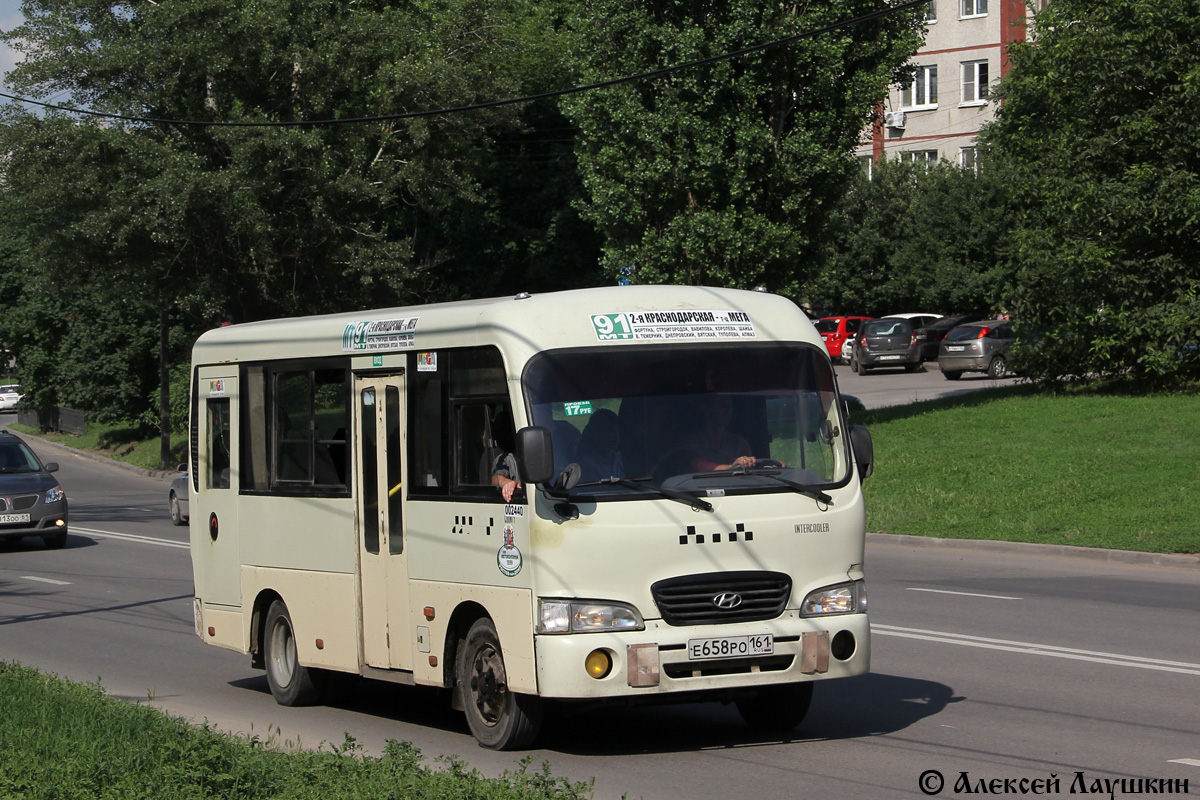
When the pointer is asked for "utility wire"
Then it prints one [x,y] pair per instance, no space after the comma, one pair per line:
[491,103]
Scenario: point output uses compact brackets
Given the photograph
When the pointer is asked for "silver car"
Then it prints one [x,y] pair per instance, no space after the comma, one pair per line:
[977,347]
[177,497]
[885,343]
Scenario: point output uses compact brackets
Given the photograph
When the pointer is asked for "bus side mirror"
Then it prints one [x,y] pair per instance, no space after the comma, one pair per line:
[864,450]
[535,454]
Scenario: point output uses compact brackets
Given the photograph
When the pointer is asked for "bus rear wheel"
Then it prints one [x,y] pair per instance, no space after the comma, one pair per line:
[777,708]
[291,684]
[499,719]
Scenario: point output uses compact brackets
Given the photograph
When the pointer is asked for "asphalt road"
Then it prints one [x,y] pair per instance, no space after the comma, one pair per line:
[1000,665]
[890,387]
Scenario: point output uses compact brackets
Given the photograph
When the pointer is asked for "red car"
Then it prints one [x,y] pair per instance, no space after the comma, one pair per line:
[836,330]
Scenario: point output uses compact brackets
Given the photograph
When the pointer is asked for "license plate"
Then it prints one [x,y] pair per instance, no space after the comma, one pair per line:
[955,348]
[890,358]
[762,644]
[5,518]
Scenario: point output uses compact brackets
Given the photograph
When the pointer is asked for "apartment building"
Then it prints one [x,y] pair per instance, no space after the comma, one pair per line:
[940,112]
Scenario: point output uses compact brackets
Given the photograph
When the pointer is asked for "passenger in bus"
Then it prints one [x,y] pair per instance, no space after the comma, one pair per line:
[715,447]
[597,453]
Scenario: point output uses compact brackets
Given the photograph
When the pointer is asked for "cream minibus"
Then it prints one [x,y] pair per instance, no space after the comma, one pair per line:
[686,521]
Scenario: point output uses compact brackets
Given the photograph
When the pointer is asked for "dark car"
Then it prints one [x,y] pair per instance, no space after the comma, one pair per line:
[930,336]
[885,343]
[31,501]
[977,347]
[177,497]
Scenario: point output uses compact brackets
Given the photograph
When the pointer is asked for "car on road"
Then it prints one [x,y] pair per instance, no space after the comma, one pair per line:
[931,335]
[836,330]
[177,497]
[977,347]
[885,343]
[10,395]
[32,503]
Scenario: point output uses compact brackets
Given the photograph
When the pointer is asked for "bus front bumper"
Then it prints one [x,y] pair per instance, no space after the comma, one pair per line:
[663,659]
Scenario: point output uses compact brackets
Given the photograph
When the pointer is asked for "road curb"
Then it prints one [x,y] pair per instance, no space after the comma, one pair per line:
[1031,548]
[149,473]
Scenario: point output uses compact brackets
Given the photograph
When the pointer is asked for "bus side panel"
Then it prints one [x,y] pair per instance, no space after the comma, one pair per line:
[299,533]
[324,611]
[511,609]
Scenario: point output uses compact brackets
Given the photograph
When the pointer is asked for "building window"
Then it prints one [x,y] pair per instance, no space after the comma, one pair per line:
[967,159]
[931,12]
[922,92]
[974,82]
[867,165]
[927,157]
[972,8]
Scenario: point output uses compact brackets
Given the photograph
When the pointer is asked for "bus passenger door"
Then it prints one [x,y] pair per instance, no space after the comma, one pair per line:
[382,552]
[213,488]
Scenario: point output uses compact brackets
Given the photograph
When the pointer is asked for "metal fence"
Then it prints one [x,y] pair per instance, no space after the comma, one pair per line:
[62,420]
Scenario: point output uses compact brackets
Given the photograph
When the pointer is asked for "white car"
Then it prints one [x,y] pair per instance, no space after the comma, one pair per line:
[9,397]
[918,319]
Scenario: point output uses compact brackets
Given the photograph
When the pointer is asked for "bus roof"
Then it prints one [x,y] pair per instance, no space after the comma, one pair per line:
[522,324]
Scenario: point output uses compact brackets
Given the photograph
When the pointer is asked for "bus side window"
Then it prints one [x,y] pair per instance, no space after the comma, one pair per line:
[217,449]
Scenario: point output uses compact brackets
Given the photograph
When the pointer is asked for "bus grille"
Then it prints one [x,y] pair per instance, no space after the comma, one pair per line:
[722,597]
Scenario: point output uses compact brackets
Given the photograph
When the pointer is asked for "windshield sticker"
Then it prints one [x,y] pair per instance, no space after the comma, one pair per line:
[386,334]
[659,325]
[509,557]
[426,362]
[578,408]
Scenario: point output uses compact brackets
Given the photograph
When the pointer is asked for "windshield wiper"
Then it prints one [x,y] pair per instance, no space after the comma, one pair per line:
[800,488]
[637,483]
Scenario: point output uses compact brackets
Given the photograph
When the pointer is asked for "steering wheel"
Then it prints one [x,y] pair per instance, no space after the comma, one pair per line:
[769,463]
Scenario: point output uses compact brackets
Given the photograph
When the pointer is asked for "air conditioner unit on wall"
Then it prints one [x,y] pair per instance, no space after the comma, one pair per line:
[894,119]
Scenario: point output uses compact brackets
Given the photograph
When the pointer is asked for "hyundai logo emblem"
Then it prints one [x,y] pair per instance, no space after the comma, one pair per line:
[727,600]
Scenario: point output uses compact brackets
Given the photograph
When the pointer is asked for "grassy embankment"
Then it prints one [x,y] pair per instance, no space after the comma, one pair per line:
[1107,469]
[61,740]
[119,442]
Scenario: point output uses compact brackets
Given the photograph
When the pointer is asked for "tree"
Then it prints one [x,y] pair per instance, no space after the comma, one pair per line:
[1095,140]
[725,173]
[915,236]
[201,223]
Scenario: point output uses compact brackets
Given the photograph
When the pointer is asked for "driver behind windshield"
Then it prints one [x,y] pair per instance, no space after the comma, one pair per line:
[716,447]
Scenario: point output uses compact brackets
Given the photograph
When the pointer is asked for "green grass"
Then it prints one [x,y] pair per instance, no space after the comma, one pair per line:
[61,740]
[1099,468]
[120,442]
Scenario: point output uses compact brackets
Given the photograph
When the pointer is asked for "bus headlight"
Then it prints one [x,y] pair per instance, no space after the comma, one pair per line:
[586,616]
[842,598]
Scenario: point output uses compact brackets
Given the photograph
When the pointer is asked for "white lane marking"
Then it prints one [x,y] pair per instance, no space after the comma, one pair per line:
[45,580]
[1191,762]
[130,537]
[1034,649]
[964,594]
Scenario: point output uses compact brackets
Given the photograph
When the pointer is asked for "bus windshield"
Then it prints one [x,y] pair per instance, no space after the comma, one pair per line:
[724,418]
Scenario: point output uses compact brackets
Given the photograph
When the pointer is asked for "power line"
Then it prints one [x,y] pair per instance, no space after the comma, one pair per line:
[491,103]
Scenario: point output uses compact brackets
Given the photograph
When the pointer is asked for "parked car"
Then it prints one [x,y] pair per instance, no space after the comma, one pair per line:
[10,395]
[177,497]
[835,331]
[916,319]
[32,503]
[885,343]
[931,335]
[977,347]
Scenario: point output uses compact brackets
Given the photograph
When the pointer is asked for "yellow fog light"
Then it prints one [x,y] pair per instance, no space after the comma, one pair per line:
[598,664]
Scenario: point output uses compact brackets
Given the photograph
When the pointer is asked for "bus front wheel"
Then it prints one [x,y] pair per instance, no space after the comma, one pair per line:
[777,708]
[499,719]
[291,684]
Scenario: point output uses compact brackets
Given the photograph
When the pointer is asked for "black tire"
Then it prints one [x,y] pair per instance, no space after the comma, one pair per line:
[777,708]
[952,374]
[912,367]
[56,541]
[998,368]
[291,684]
[177,517]
[853,364]
[499,719]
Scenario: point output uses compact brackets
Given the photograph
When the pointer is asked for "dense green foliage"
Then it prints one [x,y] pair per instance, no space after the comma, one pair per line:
[915,237]
[726,173]
[64,740]
[1025,465]
[1096,142]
